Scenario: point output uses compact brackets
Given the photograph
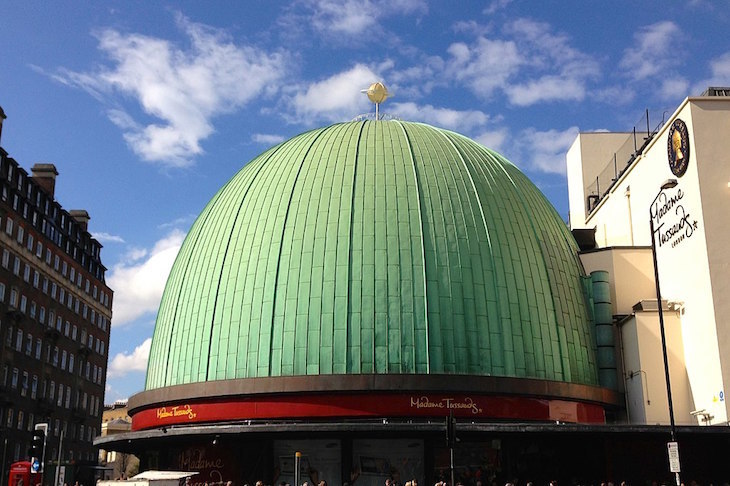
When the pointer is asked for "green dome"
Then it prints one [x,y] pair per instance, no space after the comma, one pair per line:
[375,247]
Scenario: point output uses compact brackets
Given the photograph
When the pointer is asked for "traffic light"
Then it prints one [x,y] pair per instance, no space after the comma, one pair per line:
[37,447]
[451,438]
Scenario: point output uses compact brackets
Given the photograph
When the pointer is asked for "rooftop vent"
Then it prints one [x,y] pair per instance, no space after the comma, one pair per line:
[717,91]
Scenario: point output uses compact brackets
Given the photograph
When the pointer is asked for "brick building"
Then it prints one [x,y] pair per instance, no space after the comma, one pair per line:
[55,312]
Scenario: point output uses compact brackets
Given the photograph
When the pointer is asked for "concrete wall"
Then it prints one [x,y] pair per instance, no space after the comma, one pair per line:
[712,146]
[630,273]
[644,369]
[586,158]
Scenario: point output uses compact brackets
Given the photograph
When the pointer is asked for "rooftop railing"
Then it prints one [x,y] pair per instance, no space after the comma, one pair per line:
[622,158]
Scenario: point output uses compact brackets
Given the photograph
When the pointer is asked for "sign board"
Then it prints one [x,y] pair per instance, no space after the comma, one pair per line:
[673,451]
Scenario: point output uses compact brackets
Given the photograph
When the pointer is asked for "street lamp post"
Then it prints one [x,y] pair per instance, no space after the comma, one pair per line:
[653,214]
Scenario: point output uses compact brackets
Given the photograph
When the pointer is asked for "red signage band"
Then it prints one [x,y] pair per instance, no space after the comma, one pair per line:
[304,406]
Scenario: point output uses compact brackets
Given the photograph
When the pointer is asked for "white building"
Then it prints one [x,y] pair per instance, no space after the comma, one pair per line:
[615,187]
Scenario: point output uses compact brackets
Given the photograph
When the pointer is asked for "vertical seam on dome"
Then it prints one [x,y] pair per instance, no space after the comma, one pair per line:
[423,250]
[225,255]
[528,214]
[349,266]
[281,244]
[481,213]
[180,290]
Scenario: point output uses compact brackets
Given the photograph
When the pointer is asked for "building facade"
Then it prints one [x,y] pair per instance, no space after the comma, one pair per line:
[617,195]
[55,312]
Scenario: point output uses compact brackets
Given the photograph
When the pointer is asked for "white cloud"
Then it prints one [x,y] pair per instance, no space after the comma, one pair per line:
[655,50]
[183,89]
[485,66]
[107,237]
[720,74]
[337,98]
[494,140]
[546,150]
[530,64]
[123,363]
[267,138]
[355,17]
[673,88]
[495,6]
[460,120]
[139,280]
[182,221]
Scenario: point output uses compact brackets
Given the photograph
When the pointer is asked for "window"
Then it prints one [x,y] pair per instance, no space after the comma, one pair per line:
[30,422]
[16,266]
[64,356]
[19,340]
[74,332]
[2,292]
[42,315]
[13,298]
[36,278]
[28,344]
[38,348]
[6,258]
[21,234]
[21,418]
[64,268]
[9,337]
[56,261]
[52,391]
[48,254]
[55,356]
[54,288]
[14,379]
[32,310]
[34,387]
[9,424]
[72,274]
[45,285]
[71,363]
[66,329]
[26,273]
[24,385]
[39,249]
[30,243]
[23,303]
[61,295]
[9,226]
[59,403]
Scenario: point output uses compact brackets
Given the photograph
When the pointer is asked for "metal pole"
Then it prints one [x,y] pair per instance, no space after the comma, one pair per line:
[297,465]
[5,450]
[58,463]
[452,466]
[661,329]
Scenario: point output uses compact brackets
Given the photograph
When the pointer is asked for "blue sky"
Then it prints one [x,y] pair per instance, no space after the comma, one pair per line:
[147,108]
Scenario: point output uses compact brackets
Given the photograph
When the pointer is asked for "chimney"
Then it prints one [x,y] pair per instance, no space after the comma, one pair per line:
[81,217]
[2,118]
[45,176]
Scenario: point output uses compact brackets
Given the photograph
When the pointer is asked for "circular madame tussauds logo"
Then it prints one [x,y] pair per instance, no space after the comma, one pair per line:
[678,147]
